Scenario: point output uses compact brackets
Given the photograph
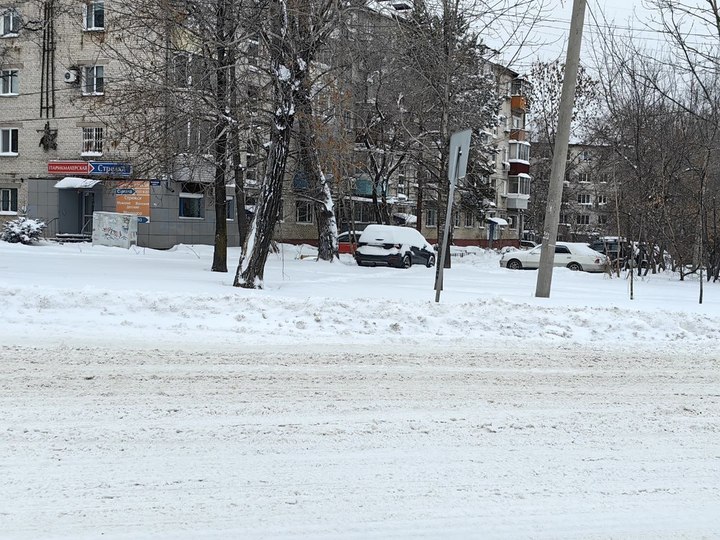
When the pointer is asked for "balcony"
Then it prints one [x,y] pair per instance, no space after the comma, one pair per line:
[519,103]
[519,91]
[517,201]
[519,135]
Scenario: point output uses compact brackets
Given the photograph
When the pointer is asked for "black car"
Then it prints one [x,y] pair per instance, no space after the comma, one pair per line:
[388,245]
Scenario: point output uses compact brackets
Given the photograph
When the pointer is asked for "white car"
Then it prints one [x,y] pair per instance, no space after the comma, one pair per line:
[573,255]
[389,245]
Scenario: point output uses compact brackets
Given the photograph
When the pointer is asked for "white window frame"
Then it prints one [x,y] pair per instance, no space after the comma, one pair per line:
[582,219]
[469,219]
[90,18]
[6,201]
[93,80]
[304,214]
[431,217]
[92,145]
[519,151]
[9,141]
[9,23]
[584,199]
[602,200]
[584,177]
[10,84]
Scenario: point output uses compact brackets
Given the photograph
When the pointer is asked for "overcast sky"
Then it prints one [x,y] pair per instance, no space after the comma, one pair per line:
[550,37]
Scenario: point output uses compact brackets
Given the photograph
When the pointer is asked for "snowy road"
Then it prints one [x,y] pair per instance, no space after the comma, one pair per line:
[543,444]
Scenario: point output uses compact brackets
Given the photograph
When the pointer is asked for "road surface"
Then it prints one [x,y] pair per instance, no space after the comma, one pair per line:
[562,443]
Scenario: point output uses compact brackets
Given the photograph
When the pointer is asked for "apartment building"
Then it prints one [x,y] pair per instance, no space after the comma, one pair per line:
[590,191]
[60,159]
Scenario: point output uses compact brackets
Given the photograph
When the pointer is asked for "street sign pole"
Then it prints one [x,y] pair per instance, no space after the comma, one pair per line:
[457,167]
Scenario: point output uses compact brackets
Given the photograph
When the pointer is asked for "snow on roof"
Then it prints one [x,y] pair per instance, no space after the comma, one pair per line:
[73,182]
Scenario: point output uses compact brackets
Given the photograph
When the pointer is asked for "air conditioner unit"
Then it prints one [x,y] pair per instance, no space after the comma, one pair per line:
[71,76]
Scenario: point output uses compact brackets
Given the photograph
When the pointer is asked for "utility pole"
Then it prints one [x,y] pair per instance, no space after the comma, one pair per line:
[557,173]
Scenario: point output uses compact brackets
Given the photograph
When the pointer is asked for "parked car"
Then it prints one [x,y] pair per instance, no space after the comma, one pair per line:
[575,256]
[613,247]
[619,248]
[527,244]
[389,245]
[347,241]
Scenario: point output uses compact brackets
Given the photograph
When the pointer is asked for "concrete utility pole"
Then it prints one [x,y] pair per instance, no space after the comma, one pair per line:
[562,137]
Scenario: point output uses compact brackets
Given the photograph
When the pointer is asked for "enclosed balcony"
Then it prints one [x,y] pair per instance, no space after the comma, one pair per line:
[518,193]
[519,91]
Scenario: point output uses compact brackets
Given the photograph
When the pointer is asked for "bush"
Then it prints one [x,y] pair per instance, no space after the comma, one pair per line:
[23,230]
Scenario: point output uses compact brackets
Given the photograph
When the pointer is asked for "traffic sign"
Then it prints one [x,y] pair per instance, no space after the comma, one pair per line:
[110,168]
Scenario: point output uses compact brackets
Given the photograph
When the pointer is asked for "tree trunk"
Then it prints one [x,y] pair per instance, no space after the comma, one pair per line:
[310,163]
[219,263]
[251,268]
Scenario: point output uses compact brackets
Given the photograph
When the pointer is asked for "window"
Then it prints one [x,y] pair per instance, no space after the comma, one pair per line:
[583,219]
[253,52]
[402,185]
[586,155]
[251,164]
[363,213]
[512,222]
[8,200]
[92,141]
[9,142]
[602,199]
[94,15]
[10,82]
[519,184]
[456,219]
[303,212]
[431,217]
[584,178]
[602,219]
[519,151]
[583,198]
[564,219]
[230,208]
[9,23]
[562,249]
[93,80]
[469,219]
[191,200]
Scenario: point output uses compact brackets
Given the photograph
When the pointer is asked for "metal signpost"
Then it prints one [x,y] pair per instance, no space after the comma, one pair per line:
[457,167]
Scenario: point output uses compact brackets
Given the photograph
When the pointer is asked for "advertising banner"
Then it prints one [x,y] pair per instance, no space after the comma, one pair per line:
[133,197]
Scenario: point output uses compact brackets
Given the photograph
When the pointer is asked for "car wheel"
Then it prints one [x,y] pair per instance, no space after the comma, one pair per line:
[575,267]
[431,261]
[406,261]
[514,264]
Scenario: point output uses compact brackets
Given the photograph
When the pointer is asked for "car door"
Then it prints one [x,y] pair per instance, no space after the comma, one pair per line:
[562,256]
[530,259]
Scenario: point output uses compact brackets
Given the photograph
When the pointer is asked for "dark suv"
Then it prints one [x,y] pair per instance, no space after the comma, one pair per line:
[612,248]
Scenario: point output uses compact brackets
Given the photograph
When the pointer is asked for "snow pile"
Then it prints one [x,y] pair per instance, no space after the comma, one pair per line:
[67,293]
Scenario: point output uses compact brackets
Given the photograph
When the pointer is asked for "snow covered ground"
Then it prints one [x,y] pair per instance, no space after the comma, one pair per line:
[141,396]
